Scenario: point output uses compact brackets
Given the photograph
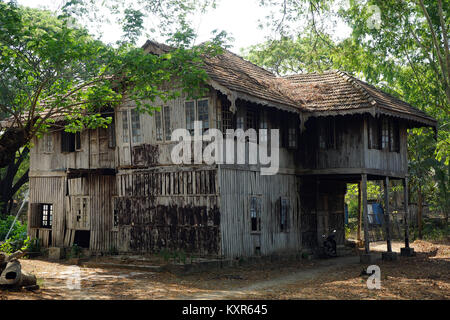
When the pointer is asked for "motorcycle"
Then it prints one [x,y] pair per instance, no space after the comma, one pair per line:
[329,244]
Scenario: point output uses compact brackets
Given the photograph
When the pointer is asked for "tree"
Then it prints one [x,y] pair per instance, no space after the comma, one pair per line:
[400,46]
[53,68]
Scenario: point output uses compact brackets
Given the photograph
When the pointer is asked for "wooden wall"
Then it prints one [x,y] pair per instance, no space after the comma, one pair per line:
[236,187]
[94,153]
[48,190]
[351,154]
[166,208]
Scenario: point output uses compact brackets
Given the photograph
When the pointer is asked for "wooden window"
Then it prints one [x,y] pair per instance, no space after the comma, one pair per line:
[167,129]
[125,132]
[190,115]
[394,136]
[327,133]
[78,141]
[67,141]
[385,134]
[136,126]
[35,220]
[284,214]
[374,134]
[292,134]
[263,124]
[255,213]
[203,114]
[46,215]
[47,143]
[80,211]
[111,135]
[251,119]
[158,124]
[227,119]
[240,121]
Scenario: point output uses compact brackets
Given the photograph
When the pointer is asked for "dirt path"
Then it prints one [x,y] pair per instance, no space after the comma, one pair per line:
[425,276]
[308,274]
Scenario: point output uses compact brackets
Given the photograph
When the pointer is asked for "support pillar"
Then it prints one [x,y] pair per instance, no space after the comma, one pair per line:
[359,215]
[406,251]
[389,255]
[365,213]
[365,258]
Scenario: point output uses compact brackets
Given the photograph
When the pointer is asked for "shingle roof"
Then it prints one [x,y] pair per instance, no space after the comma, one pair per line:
[317,94]
[336,92]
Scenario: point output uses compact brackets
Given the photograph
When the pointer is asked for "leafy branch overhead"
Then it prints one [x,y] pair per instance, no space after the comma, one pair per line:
[53,70]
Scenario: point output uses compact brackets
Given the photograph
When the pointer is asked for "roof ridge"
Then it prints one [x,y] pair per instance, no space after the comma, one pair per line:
[261,68]
[350,79]
[355,80]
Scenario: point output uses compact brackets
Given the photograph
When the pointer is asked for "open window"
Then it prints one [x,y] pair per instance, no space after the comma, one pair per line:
[46,213]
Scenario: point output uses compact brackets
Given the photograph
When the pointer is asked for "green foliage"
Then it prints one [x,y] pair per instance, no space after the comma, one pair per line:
[52,67]
[13,245]
[433,230]
[18,232]
[405,55]
[374,192]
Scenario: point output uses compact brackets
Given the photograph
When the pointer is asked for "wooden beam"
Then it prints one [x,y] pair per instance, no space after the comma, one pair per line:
[406,209]
[365,212]
[386,214]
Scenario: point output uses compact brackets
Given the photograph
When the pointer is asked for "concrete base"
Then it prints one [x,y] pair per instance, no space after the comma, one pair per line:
[389,256]
[367,258]
[407,252]
[55,253]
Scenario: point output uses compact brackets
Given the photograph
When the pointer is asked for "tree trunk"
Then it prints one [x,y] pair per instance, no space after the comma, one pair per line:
[11,275]
[7,186]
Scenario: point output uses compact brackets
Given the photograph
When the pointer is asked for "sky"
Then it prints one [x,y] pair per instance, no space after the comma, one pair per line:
[241,24]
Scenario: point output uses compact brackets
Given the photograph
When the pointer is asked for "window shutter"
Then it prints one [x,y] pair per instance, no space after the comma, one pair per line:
[67,141]
[112,135]
[35,215]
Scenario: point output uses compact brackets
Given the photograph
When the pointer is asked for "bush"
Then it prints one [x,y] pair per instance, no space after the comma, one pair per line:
[18,232]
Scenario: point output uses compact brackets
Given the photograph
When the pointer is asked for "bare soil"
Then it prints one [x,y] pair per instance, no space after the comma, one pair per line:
[425,276]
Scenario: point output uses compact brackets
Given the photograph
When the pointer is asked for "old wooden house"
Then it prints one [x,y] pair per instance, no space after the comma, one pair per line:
[117,189]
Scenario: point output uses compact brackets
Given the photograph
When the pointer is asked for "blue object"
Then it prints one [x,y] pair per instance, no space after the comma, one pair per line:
[377,213]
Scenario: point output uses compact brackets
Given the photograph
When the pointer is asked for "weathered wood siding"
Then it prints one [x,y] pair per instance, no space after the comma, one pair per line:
[100,191]
[129,152]
[393,163]
[351,153]
[48,190]
[94,153]
[168,208]
[236,187]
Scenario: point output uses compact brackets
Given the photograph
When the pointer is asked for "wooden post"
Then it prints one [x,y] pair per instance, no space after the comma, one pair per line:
[406,217]
[365,212]
[359,213]
[386,214]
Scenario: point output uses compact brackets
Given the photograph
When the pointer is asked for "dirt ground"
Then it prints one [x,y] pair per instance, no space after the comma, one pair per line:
[425,276]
